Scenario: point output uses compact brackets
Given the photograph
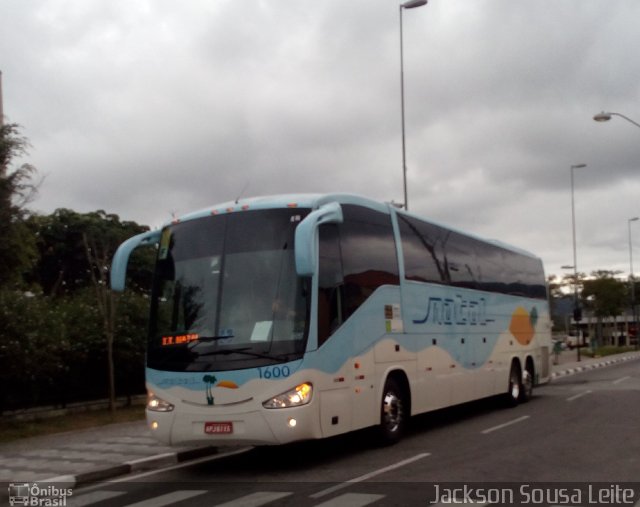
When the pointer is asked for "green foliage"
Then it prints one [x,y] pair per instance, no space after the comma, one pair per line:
[608,350]
[52,350]
[605,295]
[33,345]
[66,339]
[74,248]
[17,249]
[71,340]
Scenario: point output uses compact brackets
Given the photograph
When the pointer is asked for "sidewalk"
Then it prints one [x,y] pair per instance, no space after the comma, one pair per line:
[568,363]
[90,455]
[100,453]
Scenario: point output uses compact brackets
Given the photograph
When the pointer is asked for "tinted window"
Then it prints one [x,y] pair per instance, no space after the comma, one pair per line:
[356,257]
[369,257]
[330,282]
[493,273]
[461,261]
[423,250]
[435,254]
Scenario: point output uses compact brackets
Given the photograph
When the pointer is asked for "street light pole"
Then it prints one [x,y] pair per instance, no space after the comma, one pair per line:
[606,116]
[577,314]
[602,117]
[412,4]
[632,281]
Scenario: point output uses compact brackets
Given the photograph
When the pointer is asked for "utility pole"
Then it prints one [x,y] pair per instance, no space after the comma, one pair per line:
[1,109]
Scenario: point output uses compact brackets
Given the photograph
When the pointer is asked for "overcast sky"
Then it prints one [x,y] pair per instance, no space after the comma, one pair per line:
[146,108]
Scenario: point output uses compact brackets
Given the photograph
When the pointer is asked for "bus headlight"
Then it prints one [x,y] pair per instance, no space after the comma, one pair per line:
[299,395]
[158,404]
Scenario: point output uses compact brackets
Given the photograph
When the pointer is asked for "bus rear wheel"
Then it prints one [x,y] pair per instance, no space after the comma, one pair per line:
[515,389]
[393,416]
[526,391]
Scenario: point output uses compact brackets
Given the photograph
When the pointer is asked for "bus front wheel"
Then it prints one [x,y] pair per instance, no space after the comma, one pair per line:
[393,416]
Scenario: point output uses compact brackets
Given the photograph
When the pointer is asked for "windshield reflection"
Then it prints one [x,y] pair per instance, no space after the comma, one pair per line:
[226,293]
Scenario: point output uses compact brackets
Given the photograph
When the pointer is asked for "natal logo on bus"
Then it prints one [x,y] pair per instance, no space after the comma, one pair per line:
[455,311]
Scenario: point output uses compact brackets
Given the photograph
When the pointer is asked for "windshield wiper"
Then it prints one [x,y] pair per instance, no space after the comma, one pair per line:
[244,350]
[214,338]
[207,339]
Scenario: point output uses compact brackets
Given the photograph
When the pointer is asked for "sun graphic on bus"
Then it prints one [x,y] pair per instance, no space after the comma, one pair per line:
[523,324]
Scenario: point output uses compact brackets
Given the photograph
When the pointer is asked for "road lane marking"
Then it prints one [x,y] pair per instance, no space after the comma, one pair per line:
[364,477]
[504,425]
[184,464]
[169,498]
[351,500]
[621,380]
[256,499]
[579,395]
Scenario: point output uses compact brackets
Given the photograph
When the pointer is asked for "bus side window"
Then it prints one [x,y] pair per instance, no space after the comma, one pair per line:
[423,249]
[369,258]
[330,282]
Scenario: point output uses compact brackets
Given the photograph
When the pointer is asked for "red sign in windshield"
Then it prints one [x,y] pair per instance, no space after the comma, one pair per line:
[179,339]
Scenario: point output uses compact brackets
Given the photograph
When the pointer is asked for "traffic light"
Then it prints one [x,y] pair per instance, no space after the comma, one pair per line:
[577,314]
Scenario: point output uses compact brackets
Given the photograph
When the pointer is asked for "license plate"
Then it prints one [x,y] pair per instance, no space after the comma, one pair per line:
[218,428]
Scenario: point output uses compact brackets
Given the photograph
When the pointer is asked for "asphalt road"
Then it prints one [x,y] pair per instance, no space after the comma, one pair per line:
[576,443]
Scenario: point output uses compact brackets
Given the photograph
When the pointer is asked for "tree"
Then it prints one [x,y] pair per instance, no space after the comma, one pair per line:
[17,248]
[604,295]
[64,266]
[562,298]
[75,255]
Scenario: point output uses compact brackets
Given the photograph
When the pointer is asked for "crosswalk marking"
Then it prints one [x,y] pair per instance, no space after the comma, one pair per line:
[256,499]
[93,497]
[169,498]
[365,477]
[351,500]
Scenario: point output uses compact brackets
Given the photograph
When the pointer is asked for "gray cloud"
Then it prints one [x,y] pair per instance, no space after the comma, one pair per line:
[144,108]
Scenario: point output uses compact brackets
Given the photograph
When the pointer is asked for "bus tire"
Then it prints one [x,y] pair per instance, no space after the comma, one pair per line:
[526,391]
[514,391]
[393,415]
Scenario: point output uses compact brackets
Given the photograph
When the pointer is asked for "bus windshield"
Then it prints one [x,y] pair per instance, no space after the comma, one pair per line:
[226,294]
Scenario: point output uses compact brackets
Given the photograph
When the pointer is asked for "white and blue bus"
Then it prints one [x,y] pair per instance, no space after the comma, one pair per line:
[285,318]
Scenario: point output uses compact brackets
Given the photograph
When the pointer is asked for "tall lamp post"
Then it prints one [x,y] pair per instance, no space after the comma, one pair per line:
[606,116]
[632,281]
[602,117]
[577,312]
[411,4]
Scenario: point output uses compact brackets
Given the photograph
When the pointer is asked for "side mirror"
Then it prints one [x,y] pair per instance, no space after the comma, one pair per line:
[121,257]
[306,238]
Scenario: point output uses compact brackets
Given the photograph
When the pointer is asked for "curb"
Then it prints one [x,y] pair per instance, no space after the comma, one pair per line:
[591,366]
[101,474]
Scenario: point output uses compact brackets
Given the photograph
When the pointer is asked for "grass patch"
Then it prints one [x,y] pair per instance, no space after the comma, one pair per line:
[606,351]
[11,430]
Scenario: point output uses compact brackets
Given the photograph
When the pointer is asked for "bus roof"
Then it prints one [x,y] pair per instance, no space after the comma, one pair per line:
[314,201]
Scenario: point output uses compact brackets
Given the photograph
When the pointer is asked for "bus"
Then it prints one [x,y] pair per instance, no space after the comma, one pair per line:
[286,318]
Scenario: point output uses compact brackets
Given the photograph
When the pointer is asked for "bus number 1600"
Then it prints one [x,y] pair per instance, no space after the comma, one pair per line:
[274,372]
